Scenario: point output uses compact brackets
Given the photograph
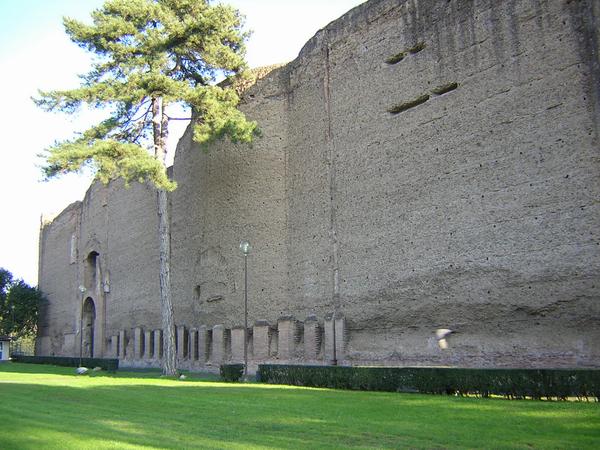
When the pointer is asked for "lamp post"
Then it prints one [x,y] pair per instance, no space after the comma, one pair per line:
[245,248]
[82,291]
[334,361]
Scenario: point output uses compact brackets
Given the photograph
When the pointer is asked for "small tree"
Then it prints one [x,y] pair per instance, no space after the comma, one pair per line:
[151,54]
[19,306]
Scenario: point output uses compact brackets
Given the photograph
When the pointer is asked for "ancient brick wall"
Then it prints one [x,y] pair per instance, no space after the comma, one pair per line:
[118,225]
[452,148]
[224,196]
[58,281]
[423,165]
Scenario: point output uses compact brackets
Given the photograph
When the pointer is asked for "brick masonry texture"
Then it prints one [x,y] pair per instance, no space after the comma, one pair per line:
[424,164]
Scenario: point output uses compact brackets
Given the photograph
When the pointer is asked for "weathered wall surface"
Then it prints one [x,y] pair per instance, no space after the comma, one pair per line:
[58,281]
[119,225]
[474,210]
[423,165]
[224,196]
[131,258]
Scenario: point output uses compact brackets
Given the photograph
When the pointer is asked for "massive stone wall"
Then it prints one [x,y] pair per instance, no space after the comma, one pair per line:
[58,276]
[455,212]
[423,165]
[229,194]
[119,226]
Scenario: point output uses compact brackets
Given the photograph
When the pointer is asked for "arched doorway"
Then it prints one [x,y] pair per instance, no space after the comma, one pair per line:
[89,317]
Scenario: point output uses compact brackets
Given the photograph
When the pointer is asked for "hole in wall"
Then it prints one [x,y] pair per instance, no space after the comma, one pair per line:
[419,46]
[444,89]
[396,58]
[408,105]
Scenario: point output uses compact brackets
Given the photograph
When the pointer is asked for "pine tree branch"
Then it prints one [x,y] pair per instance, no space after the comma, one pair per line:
[177,118]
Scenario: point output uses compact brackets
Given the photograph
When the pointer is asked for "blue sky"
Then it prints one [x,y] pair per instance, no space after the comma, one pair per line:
[36,54]
[26,20]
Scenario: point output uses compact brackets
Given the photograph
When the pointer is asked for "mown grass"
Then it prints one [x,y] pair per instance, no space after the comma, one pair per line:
[51,408]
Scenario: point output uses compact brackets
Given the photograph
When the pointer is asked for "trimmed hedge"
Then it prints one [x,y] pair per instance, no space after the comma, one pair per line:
[110,365]
[231,372]
[511,383]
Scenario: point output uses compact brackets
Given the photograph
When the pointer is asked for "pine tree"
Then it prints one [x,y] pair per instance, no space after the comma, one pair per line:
[149,54]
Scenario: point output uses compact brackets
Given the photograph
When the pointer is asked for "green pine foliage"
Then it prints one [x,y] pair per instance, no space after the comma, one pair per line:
[148,50]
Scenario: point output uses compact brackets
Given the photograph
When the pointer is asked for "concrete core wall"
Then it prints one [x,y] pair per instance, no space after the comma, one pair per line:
[423,165]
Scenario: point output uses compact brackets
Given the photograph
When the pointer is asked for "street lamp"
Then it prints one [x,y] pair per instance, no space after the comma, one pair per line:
[245,248]
[334,361]
[82,291]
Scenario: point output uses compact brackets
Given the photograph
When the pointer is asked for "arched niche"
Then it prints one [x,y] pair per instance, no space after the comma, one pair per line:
[91,270]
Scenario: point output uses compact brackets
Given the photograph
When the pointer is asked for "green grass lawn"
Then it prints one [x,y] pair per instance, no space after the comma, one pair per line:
[46,407]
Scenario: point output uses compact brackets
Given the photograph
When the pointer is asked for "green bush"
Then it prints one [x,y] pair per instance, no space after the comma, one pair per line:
[231,372]
[511,383]
[110,365]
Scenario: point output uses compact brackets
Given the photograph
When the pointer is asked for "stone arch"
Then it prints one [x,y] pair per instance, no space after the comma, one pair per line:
[88,327]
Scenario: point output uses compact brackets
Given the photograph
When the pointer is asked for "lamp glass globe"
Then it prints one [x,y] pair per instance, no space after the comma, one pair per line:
[245,247]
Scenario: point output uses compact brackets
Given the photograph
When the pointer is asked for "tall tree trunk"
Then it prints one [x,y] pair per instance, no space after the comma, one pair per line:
[159,129]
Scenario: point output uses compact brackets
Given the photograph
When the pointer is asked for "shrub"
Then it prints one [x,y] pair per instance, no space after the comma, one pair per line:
[231,372]
[110,365]
[511,383]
